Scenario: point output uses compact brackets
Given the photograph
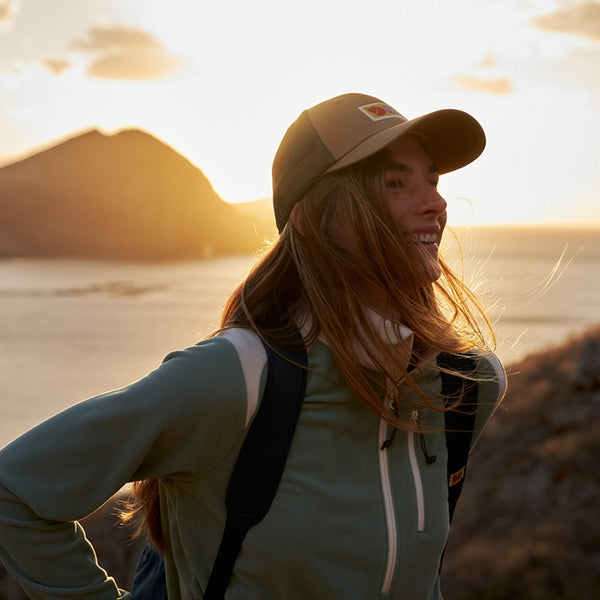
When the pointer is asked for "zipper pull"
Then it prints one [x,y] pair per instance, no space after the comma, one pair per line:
[388,442]
[429,458]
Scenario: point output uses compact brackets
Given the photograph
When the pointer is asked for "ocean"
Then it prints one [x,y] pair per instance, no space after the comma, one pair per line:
[71,329]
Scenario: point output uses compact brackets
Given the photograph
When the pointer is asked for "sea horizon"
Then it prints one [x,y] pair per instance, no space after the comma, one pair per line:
[73,328]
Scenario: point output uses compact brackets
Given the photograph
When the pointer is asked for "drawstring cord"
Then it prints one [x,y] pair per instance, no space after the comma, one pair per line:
[388,442]
[392,395]
[429,458]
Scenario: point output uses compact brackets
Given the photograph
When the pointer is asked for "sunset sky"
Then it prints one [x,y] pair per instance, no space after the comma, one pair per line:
[221,81]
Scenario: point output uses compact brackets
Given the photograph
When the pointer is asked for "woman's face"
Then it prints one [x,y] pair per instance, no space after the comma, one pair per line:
[410,191]
[416,207]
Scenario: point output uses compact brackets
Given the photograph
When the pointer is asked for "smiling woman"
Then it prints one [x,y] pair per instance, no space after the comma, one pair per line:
[380,341]
[417,209]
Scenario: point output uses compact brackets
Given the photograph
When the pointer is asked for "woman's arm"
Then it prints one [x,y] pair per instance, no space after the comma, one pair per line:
[65,468]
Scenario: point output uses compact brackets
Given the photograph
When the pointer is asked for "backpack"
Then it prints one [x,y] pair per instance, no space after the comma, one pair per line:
[261,461]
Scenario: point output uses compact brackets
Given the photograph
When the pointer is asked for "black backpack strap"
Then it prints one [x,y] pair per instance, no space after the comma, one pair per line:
[460,422]
[261,461]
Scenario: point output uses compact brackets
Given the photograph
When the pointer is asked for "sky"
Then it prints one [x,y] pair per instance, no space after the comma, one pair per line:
[221,81]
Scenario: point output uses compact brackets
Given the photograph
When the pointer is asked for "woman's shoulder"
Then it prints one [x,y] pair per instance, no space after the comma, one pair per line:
[483,367]
[491,373]
[230,345]
[230,363]
[253,359]
[491,388]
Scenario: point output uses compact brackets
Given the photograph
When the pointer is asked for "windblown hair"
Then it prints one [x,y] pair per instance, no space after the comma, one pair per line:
[313,276]
[313,270]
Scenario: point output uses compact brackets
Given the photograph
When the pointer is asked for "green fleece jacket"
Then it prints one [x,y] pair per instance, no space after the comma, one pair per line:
[349,520]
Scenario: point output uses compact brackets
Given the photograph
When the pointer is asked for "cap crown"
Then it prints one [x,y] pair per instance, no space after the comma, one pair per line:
[348,128]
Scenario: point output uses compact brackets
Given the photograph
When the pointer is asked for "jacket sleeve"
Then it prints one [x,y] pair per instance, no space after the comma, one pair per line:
[491,391]
[65,468]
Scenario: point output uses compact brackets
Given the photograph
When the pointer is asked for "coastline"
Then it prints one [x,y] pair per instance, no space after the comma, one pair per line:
[72,329]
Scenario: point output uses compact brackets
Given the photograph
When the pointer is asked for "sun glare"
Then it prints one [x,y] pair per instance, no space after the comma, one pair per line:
[233,77]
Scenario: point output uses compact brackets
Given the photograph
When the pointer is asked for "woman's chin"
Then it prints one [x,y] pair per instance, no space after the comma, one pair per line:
[431,261]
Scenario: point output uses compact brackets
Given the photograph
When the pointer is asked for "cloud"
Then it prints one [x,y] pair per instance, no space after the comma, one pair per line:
[582,20]
[8,11]
[499,86]
[122,52]
[488,61]
[56,65]
[133,65]
[109,37]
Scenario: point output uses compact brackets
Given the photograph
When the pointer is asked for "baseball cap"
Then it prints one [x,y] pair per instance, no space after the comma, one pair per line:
[346,129]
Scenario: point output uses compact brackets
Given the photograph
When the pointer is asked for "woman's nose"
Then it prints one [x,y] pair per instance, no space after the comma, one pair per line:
[432,202]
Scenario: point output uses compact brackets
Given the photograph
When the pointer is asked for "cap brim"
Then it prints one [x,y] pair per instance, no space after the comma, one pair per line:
[455,139]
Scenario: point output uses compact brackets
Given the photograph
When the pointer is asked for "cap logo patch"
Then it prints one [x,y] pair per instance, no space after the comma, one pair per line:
[379,110]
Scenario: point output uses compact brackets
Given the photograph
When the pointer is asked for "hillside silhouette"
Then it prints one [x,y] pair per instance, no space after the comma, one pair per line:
[526,526]
[121,196]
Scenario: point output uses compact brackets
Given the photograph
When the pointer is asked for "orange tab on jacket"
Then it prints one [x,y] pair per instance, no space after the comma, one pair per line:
[456,477]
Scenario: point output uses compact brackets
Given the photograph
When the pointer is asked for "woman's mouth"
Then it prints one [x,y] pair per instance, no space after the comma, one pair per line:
[426,238]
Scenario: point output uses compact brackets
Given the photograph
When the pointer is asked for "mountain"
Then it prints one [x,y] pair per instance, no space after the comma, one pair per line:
[121,196]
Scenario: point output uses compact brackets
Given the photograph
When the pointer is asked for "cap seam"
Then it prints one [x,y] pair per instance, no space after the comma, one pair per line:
[321,143]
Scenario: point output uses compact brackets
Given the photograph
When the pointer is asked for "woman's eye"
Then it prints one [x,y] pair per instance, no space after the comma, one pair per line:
[394,184]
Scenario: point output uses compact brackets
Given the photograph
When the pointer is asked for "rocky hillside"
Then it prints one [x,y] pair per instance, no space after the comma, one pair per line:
[526,526]
[122,196]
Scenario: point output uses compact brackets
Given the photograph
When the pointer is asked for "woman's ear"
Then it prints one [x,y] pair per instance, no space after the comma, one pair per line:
[295,219]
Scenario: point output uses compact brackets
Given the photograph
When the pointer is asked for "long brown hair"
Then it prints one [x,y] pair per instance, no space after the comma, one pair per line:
[310,271]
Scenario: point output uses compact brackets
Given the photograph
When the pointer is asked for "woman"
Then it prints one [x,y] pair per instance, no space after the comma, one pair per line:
[360,510]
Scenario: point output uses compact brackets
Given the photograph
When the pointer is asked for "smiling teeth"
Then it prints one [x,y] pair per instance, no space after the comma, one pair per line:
[426,238]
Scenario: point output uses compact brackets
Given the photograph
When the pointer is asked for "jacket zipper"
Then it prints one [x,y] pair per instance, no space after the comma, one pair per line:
[416,473]
[390,513]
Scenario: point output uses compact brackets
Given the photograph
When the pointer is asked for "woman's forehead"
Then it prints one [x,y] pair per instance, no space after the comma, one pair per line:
[408,152]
